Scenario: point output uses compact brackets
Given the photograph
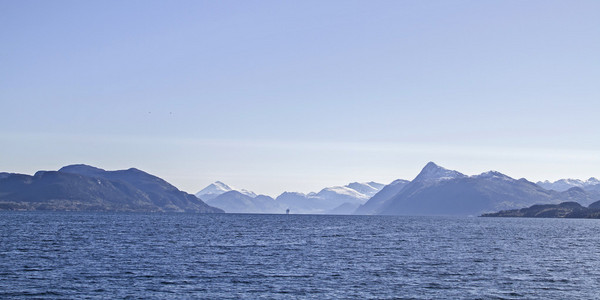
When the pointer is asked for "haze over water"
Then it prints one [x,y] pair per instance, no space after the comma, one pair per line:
[93,255]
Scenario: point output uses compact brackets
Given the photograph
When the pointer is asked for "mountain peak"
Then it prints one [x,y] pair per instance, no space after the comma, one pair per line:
[593,181]
[493,175]
[221,185]
[366,188]
[80,169]
[217,188]
[432,171]
[431,165]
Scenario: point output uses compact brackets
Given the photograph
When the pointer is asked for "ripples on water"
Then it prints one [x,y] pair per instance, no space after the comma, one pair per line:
[104,255]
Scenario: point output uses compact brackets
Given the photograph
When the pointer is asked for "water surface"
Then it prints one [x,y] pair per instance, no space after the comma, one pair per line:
[108,255]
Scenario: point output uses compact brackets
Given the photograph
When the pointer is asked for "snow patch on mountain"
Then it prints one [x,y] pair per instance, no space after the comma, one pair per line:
[334,199]
[565,184]
[493,175]
[433,172]
[218,188]
[342,191]
[366,188]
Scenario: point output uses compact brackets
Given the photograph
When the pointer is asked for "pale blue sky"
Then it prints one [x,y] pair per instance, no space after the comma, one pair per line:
[298,95]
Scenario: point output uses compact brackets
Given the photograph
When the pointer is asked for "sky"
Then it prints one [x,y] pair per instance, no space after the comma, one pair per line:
[276,96]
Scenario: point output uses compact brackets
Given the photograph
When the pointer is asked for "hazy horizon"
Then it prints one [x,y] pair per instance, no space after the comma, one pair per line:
[319,188]
[296,96]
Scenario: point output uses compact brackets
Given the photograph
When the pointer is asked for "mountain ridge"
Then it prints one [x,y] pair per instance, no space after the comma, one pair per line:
[335,199]
[434,191]
[237,202]
[565,184]
[86,188]
[439,191]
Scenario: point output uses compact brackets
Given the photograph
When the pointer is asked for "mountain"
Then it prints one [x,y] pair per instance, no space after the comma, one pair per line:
[218,188]
[86,188]
[337,195]
[344,209]
[300,203]
[386,193]
[438,191]
[366,188]
[565,184]
[562,210]
[594,189]
[331,200]
[237,202]
[434,173]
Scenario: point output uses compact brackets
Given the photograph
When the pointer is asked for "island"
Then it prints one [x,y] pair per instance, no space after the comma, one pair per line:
[562,210]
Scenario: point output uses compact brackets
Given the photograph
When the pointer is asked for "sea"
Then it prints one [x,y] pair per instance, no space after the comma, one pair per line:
[75,255]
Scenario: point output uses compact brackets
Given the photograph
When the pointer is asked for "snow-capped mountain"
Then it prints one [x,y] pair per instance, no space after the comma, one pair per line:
[336,199]
[218,188]
[366,188]
[433,172]
[493,175]
[340,192]
[438,191]
[565,184]
[236,202]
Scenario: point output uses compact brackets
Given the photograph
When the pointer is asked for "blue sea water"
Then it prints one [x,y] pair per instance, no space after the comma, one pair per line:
[233,256]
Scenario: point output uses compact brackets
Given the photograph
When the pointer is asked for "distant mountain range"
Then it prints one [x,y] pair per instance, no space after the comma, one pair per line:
[86,188]
[434,191]
[438,191]
[565,184]
[330,200]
